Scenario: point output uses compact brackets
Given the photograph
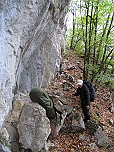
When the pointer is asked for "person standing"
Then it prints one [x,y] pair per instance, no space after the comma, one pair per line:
[84,94]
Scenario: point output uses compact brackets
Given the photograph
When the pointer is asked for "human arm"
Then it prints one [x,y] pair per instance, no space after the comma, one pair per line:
[76,93]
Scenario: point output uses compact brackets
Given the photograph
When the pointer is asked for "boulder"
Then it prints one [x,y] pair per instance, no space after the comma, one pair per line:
[78,123]
[33,127]
[101,139]
[74,123]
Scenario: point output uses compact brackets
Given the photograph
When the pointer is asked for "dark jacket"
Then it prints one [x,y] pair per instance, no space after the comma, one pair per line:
[84,94]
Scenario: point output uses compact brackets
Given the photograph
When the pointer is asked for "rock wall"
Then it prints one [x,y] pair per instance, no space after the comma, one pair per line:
[31,43]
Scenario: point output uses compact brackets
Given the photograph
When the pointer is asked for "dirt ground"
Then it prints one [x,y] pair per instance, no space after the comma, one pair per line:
[100,112]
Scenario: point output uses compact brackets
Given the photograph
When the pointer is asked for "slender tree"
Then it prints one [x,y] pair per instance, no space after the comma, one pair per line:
[93,35]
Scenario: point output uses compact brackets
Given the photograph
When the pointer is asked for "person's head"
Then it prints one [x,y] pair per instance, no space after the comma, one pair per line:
[79,83]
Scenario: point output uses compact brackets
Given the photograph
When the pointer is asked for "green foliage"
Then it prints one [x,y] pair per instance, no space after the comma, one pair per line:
[105,79]
[92,36]
[68,37]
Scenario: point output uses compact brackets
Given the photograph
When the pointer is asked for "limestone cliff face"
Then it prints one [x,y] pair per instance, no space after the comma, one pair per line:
[31,43]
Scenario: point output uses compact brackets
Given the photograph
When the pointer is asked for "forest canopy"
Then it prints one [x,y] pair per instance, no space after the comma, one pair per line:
[92,36]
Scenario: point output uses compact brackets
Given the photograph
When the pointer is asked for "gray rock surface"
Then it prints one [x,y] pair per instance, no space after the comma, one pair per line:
[77,123]
[33,127]
[101,139]
[74,123]
[4,107]
[31,119]
[31,44]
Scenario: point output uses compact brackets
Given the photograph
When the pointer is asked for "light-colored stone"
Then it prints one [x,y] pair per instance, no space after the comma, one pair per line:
[17,105]
[33,127]
[4,108]
[31,44]
[101,139]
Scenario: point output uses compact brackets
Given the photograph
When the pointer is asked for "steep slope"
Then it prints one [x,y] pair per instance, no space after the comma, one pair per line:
[100,111]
